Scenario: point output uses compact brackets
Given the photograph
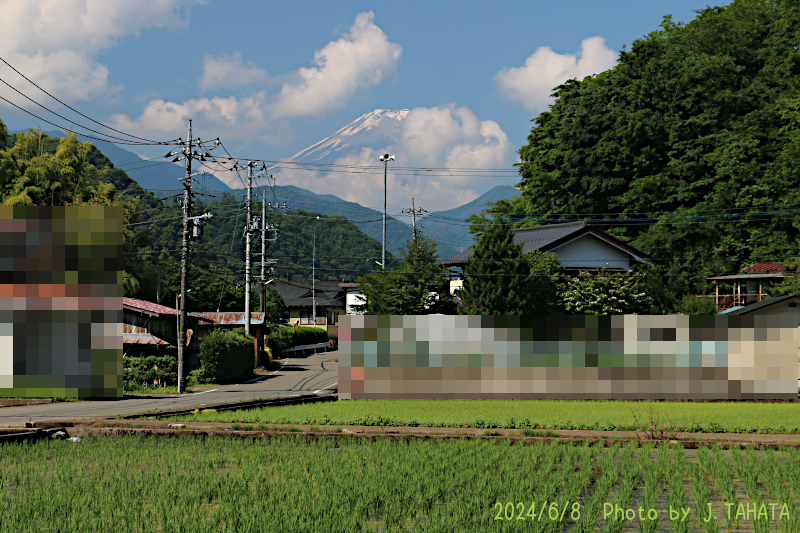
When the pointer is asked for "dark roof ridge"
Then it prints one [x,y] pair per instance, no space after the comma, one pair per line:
[580,223]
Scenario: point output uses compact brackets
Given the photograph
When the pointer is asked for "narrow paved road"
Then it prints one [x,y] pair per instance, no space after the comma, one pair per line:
[293,376]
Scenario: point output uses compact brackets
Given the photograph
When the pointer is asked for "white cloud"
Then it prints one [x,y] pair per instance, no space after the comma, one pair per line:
[533,83]
[54,42]
[361,58]
[436,137]
[231,119]
[230,71]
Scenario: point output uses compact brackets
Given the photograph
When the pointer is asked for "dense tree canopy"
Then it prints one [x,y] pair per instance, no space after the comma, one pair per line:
[416,286]
[699,126]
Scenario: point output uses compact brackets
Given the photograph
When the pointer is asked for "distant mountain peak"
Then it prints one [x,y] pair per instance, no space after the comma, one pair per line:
[346,137]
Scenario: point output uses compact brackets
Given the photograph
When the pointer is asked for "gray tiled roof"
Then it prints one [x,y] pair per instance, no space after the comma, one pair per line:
[294,293]
[545,237]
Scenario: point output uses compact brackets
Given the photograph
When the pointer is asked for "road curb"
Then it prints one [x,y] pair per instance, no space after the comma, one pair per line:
[253,404]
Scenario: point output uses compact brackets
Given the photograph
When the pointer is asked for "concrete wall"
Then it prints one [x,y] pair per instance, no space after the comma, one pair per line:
[575,357]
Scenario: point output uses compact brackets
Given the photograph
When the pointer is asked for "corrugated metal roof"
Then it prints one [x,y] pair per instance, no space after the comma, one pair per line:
[154,308]
[143,338]
[765,266]
[749,276]
[232,318]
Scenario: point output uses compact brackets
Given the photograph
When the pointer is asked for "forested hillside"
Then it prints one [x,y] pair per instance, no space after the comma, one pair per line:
[698,126]
[342,251]
[39,170]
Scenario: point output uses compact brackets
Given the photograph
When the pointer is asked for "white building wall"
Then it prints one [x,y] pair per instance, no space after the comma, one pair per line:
[587,251]
[351,299]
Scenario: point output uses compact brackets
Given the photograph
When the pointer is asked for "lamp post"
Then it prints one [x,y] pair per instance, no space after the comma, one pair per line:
[314,277]
[385,158]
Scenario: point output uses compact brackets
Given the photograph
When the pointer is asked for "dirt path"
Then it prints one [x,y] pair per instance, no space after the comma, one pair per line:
[85,427]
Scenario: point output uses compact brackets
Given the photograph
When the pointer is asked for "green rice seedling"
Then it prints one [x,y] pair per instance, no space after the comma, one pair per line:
[593,507]
[701,493]
[630,476]
[677,494]
[653,486]
[774,481]
[749,469]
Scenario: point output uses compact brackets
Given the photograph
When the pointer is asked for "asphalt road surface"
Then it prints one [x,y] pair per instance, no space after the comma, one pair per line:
[292,376]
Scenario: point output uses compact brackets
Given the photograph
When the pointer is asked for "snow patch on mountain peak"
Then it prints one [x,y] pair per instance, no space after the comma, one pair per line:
[345,137]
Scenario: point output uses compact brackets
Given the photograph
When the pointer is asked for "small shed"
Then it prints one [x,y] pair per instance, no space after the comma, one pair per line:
[231,320]
[755,280]
[152,329]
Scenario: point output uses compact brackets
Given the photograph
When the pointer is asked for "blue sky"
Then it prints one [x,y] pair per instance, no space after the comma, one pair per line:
[271,78]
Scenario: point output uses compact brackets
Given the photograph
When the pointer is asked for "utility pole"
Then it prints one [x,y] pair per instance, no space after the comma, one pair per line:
[187,206]
[248,233]
[263,300]
[414,212]
[196,223]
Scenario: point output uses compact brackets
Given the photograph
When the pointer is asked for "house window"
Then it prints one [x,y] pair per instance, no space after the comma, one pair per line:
[333,317]
[305,318]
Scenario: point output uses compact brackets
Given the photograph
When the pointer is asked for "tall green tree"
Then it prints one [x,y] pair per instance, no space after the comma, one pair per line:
[496,275]
[699,119]
[545,283]
[417,286]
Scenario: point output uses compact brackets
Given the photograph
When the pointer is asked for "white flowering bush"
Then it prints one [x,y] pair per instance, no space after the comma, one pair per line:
[606,293]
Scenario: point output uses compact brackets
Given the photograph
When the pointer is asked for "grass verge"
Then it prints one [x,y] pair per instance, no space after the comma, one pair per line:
[653,419]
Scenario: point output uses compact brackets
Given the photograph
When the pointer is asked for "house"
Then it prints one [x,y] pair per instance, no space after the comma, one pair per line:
[580,247]
[781,305]
[756,279]
[233,320]
[152,329]
[300,297]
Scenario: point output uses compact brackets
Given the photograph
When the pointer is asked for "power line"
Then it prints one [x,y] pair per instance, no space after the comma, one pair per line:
[148,141]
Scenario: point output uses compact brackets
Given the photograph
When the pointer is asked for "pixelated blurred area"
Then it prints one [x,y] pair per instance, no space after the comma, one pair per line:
[61,301]
[568,357]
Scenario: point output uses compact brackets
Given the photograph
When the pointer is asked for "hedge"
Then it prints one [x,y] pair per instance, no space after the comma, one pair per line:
[284,338]
[143,371]
[225,356]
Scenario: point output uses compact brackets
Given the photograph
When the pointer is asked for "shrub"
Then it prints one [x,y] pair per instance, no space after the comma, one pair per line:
[695,305]
[281,339]
[146,370]
[225,356]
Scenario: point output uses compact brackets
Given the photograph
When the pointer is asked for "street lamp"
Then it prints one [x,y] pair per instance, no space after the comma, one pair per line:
[314,277]
[385,158]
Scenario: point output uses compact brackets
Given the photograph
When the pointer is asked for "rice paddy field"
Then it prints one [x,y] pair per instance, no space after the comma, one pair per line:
[696,417]
[287,484]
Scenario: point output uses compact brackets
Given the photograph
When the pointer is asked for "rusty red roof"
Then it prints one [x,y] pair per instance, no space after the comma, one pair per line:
[231,318]
[764,267]
[156,308]
[142,338]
